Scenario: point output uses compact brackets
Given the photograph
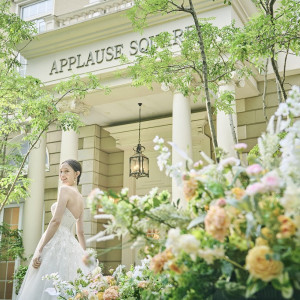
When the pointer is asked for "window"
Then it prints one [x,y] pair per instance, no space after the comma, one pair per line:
[35,11]
[11,216]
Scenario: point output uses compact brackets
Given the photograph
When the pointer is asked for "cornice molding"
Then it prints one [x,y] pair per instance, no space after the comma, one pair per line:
[99,28]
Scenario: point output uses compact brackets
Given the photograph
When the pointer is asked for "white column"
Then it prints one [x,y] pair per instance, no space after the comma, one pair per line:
[128,254]
[224,131]
[33,208]
[69,145]
[181,136]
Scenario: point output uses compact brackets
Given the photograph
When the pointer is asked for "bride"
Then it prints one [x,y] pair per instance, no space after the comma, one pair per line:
[58,250]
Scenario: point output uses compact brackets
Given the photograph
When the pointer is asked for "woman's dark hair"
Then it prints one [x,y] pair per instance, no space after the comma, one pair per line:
[75,165]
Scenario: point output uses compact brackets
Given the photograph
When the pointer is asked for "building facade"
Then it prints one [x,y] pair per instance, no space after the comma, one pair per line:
[81,36]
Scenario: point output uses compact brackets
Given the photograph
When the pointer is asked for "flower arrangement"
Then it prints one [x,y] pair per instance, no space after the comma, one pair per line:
[238,235]
[240,232]
[121,284]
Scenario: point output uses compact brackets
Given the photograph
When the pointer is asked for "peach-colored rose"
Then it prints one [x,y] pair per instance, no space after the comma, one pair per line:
[238,193]
[260,267]
[143,284]
[110,280]
[189,188]
[287,227]
[217,222]
[111,293]
[153,233]
[158,261]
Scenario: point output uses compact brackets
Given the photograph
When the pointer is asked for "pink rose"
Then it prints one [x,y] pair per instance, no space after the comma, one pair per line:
[221,202]
[255,188]
[240,146]
[271,181]
[254,169]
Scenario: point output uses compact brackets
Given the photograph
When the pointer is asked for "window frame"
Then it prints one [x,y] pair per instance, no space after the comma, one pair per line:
[20,223]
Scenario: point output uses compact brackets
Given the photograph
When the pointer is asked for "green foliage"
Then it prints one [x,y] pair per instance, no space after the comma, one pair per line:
[11,246]
[27,108]
[19,277]
[182,67]
[269,33]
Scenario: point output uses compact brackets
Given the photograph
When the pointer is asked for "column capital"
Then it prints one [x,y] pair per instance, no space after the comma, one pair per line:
[234,82]
[74,105]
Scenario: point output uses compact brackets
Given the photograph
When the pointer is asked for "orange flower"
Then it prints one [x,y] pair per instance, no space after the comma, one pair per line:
[259,266]
[238,193]
[287,227]
[175,268]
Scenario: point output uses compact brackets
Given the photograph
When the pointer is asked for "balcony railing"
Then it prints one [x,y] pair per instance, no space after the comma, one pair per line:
[93,10]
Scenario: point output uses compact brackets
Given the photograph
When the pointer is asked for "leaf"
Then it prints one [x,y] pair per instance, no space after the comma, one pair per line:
[196,221]
[254,287]
[226,268]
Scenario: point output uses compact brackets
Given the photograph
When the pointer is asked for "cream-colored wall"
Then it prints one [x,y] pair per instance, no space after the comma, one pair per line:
[251,122]
[63,7]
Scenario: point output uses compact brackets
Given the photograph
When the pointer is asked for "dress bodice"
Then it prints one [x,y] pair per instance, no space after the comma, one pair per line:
[68,220]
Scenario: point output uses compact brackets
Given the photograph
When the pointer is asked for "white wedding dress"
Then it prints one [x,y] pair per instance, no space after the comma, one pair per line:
[62,254]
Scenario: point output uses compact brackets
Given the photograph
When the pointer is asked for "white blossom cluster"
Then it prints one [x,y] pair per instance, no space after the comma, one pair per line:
[163,160]
[189,244]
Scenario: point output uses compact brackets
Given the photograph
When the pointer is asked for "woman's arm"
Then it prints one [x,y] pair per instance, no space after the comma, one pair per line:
[80,232]
[54,222]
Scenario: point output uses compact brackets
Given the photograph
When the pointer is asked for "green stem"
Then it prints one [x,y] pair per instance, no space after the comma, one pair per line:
[234,263]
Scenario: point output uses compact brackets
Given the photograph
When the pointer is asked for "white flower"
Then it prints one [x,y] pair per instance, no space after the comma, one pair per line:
[97,271]
[189,244]
[156,147]
[158,140]
[291,200]
[283,110]
[173,237]
[153,192]
[209,255]
[124,191]
[228,162]
[129,274]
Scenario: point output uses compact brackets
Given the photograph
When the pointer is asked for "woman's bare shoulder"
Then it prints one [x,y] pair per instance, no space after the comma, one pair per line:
[67,189]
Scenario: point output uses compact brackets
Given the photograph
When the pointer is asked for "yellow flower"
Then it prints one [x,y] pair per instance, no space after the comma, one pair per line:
[260,267]
[287,227]
[266,233]
[100,295]
[261,242]
[238,193]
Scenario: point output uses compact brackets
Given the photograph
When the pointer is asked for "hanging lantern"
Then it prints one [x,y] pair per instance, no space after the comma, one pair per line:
[139,163]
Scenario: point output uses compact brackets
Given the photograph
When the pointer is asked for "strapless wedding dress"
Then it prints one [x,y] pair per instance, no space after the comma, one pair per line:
[62,254]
